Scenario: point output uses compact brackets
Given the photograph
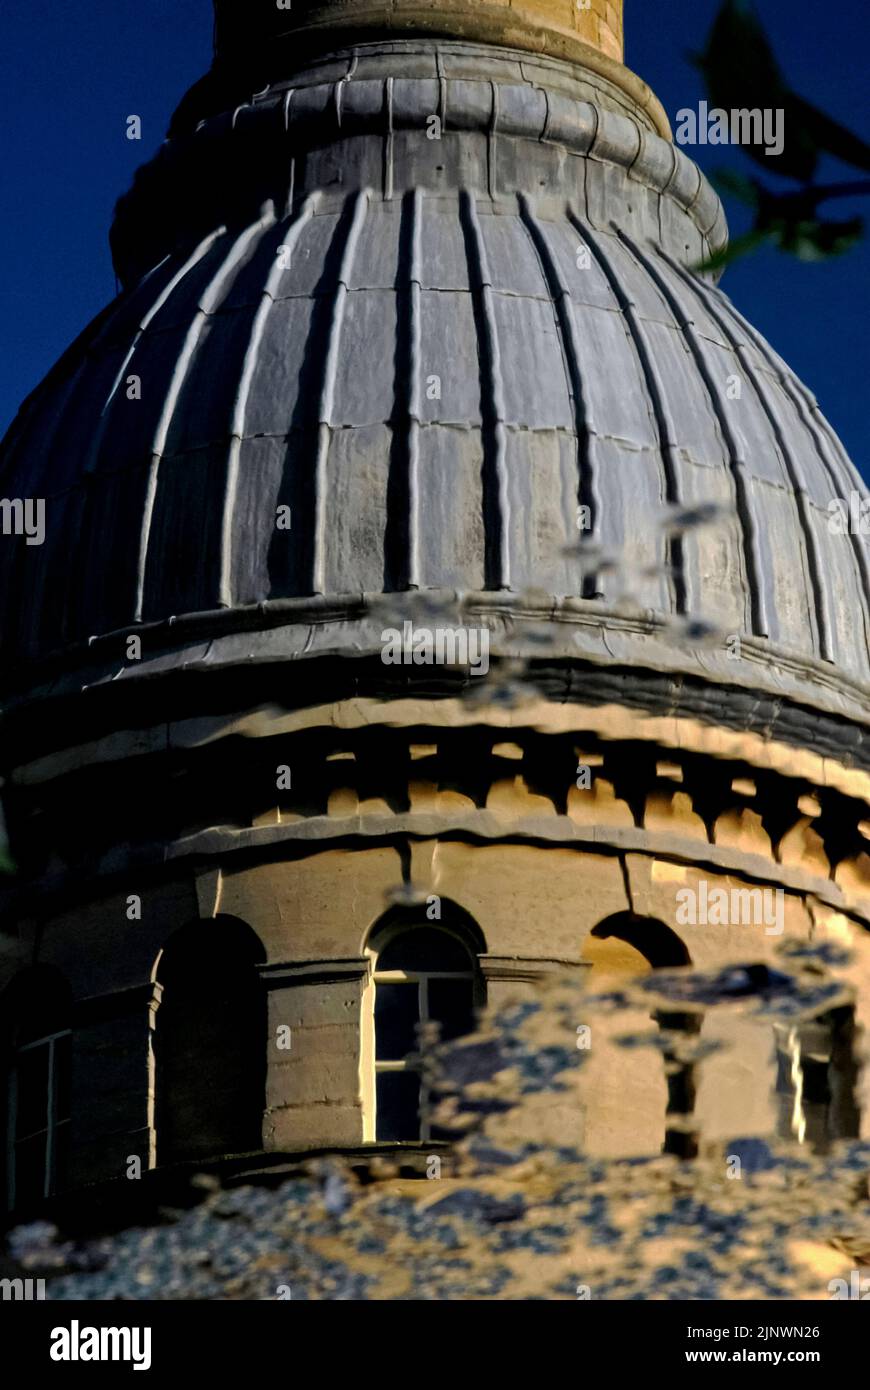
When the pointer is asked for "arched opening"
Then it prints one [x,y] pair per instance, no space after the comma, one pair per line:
[817,1079]
[626,947]
[426,987]
[657,943]
[209,1042]
[38,1049]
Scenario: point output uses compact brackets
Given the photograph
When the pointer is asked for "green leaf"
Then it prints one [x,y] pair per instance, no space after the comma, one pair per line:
[729,181]
[820,241]
[740,246]
[829,136]
[738,59]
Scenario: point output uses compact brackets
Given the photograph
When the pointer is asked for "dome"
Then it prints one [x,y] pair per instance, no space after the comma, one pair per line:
[413,330]
[442,355]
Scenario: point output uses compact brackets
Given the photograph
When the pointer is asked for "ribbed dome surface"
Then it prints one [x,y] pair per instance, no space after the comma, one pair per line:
[314,387]
[433,383]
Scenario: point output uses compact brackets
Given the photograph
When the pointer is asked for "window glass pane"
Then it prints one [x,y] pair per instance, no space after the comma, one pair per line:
[396,1016]
[428,1107]
[451,1004]
[424,948]
[30,1170]
[398,1105]
[817,1088]
[62,1060]
[32,1089]
[60,1155]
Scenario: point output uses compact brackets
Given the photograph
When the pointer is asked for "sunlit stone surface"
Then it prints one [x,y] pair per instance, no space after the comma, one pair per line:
[413,337]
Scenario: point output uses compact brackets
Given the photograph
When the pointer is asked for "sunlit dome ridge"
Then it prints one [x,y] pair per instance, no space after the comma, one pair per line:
[300,318]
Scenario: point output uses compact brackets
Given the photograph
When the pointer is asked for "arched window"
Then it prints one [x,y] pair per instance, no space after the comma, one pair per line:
[39,1047]
[817,1079]
[209,1043]
[656,942]
[627,946]
[426,988]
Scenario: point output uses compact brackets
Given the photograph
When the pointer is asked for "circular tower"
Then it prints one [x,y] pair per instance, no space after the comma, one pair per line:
[438,587]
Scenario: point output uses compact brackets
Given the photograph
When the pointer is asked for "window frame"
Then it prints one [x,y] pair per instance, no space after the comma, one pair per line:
[413,1061]
[372,1067]
[53,1122]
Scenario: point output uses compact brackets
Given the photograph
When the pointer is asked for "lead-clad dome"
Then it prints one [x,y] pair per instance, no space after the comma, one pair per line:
[436,305]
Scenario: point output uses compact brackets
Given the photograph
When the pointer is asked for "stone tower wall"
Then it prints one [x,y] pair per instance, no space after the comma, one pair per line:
[553,26]
[495,825]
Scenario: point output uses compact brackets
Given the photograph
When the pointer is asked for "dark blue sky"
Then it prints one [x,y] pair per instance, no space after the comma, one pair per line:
[74,71]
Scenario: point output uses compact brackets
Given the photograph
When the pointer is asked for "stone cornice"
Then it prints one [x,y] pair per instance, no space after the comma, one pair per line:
[203,173]
[588,648]
[318,833]
[505,969]
[257,36]
[120,1003]
[284,974]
